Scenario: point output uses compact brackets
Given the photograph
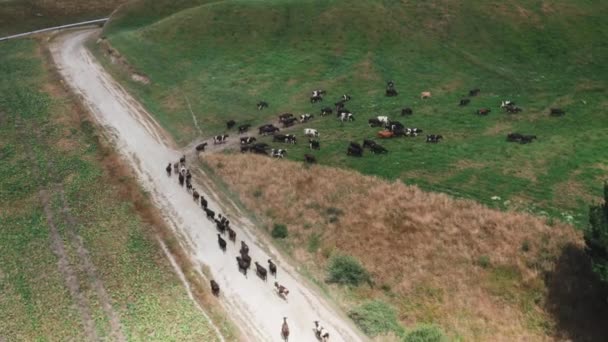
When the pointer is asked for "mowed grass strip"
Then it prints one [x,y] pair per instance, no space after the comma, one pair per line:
[46,143]
[223,57]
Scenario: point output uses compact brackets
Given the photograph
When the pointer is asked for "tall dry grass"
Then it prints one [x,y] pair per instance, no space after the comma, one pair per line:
[430,250]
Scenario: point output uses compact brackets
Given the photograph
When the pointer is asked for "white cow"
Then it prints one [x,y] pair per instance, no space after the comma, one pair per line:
[305,117]
[310,132]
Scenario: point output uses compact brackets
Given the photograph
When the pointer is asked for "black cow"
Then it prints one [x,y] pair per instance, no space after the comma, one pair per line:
[285,116]
[267,129]
[230,124]
[374,122]
[355,145]
[289,122]
[407,111]
[390,92]
[204,203]
[260,271]
[464,102]
[314,144]
[210,213]
[243,265]
[221,227]
[221,242]
[279,137]
[231,234]
[354,152]
[168,169]
[262,104]
[181,179]
[511,108]
[201,147]
[368,143]
[326,111]
[315,99]
[244,128]
[377,149]
[433,138]
[520,138]
[474,92]
[309,158]
[247,140]
[215,288]
[272,267]
[557,112]
[244,248]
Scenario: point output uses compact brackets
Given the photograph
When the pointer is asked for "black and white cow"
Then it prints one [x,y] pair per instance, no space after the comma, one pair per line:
[433,138]
[220,139]
[345,116]
[247,140]
[262,104]
[244,128]
[285,116]
[305,117]
[374,122]
[390,92]
[346,97]
[326,111]
[464,102]
[383,119]
[278,153]
[311,132]
[291,139]
[314,144]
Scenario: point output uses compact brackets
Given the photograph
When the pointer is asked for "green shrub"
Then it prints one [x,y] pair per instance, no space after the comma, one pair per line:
[425,333]
[279,231]
[314,242]
[484,261]
[346,270]
[376,318]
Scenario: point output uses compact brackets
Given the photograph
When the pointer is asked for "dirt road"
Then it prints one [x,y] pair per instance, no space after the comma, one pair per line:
[252,303]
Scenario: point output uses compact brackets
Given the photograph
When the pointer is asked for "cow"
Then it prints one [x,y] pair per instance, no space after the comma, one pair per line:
[346,97]
[407,111]
[204,203]
[374,122]
[314,144]
[285,116]
[315,99]
[285,330]
[368,143]
[243,265]
[433,138]
[210,213]
[394,126]
[260,271]
[246,148]
[289,122]
[355,145]
[168,169]
[268,129]
[244,248]
[325,111]
[474,92]
[464,102]
[425,95]
[513,109]
[182,160]
[215,288]
[383,119]
[291,139]
[483,111]
[220,139]
[230,124]
[391,92]
[262,104]
[272,267]
[221,227]
[557,112]
[221,242]
[306,117]
[527,139]
[347,117]
[351,151]
[311,132]
[231,234]
[309,158]
[412,132]
[195,195]
[244,128]
[320,333]
[181,179]
[385,134]
[520,138]
[282,291]
[201,147]
[506,103]
[377,149]
[278,153]
[247,140]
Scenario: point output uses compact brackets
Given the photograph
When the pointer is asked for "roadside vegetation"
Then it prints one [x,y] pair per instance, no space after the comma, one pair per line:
[216,59]
[475,273]
[79,259]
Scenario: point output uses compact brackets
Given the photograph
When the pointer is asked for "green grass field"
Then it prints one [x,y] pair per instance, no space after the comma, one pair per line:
[46,146]
[223,57]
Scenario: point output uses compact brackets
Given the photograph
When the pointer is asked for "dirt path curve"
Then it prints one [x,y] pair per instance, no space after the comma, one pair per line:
[252,303]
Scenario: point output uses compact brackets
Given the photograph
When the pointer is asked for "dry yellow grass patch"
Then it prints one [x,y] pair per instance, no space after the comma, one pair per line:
[426,247]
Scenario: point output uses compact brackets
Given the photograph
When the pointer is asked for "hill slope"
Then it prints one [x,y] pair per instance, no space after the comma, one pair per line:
[220,58]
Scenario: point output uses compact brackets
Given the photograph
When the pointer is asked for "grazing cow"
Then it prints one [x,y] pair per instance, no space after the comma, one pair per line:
[221,227]
[246,148]
[247,140]
[394,126]
[182,160]
[526,139]
[230,124]
[391,92]
[278,153]
[188,185]
[326,110]
[314,144]
[351,151]
[433,138]
[483,111]
[272,267]
[310,132]
[309,158]
[374,122]
[377,149]
[513,109]
[285,330]
[244,128]
[315,99]
[262,104]
[285,116]
[168,169]
[291,139]
[347,117]
[289,122]
[220,139]
[346,97]
[260,271]
[368,143]
[385,134]
[268,129]
[282,291]
[201,147]
[407,111]
[506,103]
[383,119]
[244,248]
[340,104]
[210,213]
[557,112]
[390,84]
[221,242]
[464,102]
[412,132]
[474,92]
[215,288]
[181,179]
[425,95]
[305,117]
[355,145]
[204,202]
[279,138]
[520,138]
[195,195]
[231,234]
[243,265]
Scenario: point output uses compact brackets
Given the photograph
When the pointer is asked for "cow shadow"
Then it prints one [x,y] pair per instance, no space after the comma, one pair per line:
[577,299]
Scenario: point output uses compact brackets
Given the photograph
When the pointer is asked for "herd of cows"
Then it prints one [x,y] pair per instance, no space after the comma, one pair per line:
[243,259]
[389,128]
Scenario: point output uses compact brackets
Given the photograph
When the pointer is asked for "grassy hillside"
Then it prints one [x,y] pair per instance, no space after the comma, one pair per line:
[223,57]
[17,16]
[74,249]
[481,274]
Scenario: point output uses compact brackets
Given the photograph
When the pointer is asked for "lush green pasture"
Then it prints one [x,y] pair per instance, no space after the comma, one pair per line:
[223,57]
[46,146]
